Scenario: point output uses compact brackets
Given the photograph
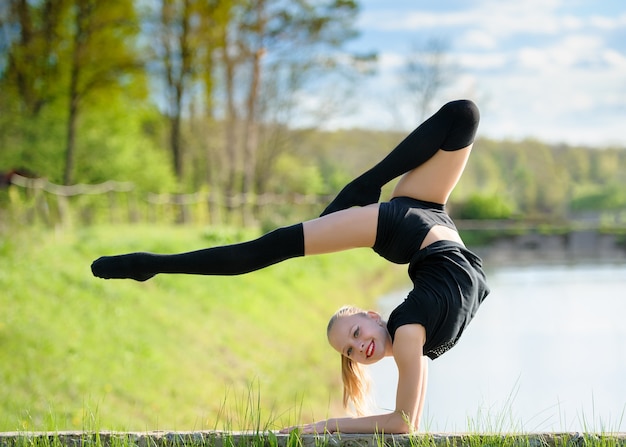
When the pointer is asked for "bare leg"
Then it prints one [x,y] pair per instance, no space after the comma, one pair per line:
[434,180]
[343,230]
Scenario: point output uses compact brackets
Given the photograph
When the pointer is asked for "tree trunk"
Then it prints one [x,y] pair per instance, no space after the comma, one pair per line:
[82,14]
[70,143]
[251,140]
[251,126]
[230,130]
[177,61]
[177,156]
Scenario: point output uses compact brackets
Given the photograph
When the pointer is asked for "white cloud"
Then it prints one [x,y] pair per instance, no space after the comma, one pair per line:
[478,39]
[607,23]
[490,19]
[388,62]
[573,52]
[576,108]
[527,17]
[536,68]
[614,59]
[483,61]
[396,20]
[534,59]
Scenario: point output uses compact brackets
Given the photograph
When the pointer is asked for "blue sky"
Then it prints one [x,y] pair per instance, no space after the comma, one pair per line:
[548,69]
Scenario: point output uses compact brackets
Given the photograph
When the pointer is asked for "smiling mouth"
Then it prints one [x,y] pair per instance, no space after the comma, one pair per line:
[370,349]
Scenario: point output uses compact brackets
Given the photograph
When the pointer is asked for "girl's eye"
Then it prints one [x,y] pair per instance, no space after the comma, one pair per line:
[356,333]
[349,352]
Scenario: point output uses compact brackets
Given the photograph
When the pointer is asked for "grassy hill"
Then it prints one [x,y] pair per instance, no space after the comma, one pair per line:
[177,352]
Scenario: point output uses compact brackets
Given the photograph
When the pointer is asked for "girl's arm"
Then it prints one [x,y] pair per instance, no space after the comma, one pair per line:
[412,376]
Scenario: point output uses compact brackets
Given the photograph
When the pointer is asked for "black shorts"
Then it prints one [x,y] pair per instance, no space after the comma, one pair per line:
[403,224]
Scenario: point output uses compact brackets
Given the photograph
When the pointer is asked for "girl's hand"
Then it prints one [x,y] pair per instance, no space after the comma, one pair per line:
[316,428]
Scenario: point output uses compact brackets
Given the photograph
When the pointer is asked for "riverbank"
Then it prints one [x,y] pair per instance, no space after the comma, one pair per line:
[557,247]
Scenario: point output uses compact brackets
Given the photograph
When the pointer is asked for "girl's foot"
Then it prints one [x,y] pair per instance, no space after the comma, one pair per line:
[355,193]
[131,266]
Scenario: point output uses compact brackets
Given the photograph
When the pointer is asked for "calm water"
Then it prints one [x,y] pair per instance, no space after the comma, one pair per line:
[546,352]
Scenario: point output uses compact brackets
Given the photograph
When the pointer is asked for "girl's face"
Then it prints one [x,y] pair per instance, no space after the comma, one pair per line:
[362,338]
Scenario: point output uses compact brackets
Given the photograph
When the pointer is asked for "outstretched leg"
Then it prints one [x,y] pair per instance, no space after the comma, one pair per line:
[453,127]
[340,231]
[277,246]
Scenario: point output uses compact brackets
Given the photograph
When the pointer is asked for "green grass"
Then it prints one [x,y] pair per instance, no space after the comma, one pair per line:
[294,439]
[178,352]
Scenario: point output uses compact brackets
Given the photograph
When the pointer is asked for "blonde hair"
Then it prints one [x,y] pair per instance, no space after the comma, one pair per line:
[356,383]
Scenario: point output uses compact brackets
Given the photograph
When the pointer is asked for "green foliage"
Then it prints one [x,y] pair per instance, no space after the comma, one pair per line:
[480,206]
[540,180]
[33,143]
[112,145]
[291,176]
[120,149]
[611,197]
[176,352]
[83,67]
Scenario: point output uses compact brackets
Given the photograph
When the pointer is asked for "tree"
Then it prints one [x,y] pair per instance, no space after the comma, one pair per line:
[426,73]
[282,38]
[100,57]
[177,56]
[32,44]
[60,53]
[32,80]
[184,41]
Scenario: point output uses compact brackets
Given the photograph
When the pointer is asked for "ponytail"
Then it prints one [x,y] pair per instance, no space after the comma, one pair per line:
[356,385]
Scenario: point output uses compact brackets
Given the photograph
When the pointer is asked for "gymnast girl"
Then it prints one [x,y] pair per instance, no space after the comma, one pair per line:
[411,228]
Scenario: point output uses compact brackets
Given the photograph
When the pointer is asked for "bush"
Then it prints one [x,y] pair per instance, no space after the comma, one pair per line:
[479,206]
[611,197]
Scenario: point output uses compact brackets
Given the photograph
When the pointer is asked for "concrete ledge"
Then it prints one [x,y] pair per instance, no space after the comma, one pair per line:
[271,439]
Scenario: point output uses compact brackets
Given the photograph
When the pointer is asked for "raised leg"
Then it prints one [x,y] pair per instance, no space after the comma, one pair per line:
[453,127]
[434,180]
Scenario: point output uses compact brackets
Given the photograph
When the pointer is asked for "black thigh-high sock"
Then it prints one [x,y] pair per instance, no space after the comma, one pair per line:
[453,127]
[279,245]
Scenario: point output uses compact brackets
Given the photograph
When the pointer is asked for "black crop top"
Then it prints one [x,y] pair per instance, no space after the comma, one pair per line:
[448,281]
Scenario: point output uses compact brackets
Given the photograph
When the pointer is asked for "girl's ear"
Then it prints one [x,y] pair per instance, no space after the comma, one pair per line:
[375,316]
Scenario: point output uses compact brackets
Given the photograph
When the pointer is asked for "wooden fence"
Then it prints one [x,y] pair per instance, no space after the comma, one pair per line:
[28,201]
[35,200]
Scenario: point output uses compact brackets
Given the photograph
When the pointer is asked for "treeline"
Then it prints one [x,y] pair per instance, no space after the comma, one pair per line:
[173,94]
[526,179]
[534,180]
[226,97]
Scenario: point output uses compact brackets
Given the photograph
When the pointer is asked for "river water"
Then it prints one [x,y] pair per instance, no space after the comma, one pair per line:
[546,352]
